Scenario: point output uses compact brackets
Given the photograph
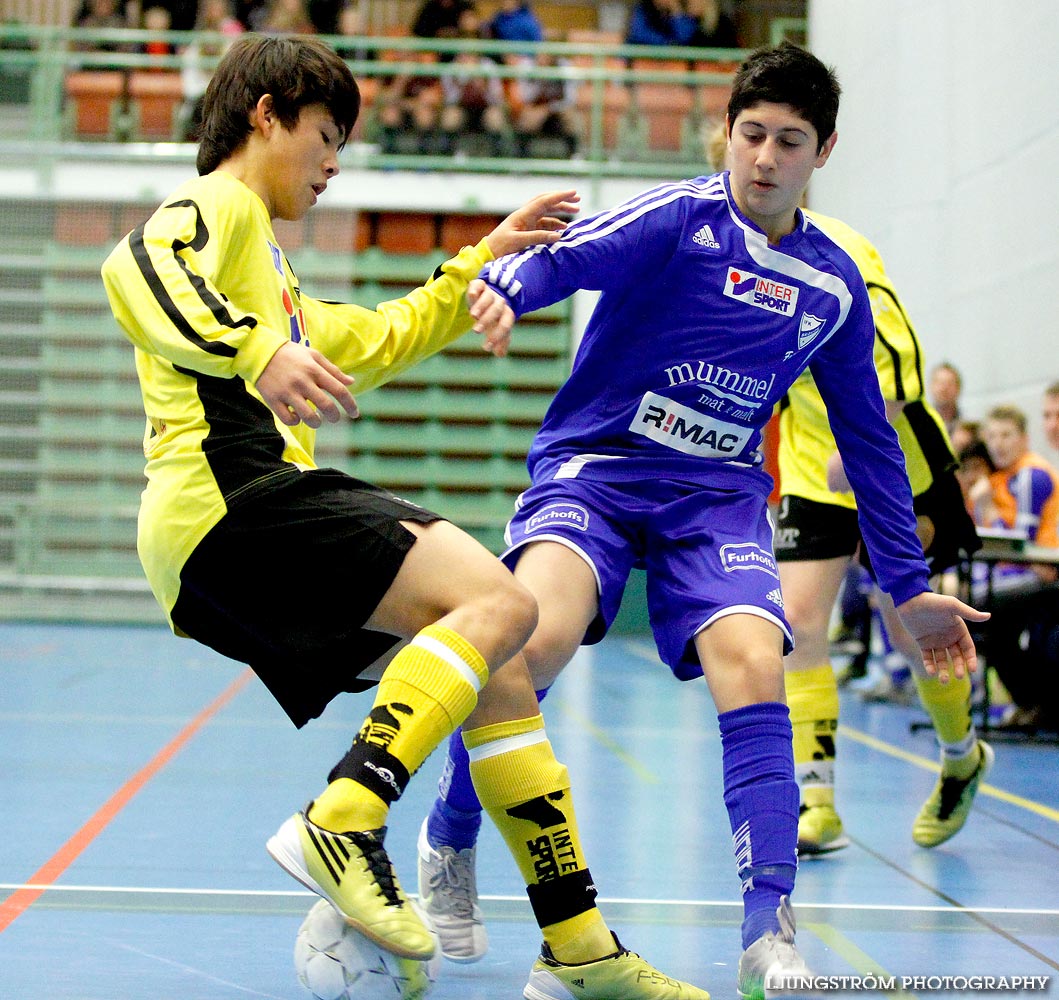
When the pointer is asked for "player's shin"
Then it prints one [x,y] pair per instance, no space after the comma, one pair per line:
[949,708]
[762,799]
[526,792]
[456,816]
[812,696]
[428,689]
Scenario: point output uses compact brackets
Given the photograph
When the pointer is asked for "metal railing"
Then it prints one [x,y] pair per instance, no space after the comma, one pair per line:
[38,60]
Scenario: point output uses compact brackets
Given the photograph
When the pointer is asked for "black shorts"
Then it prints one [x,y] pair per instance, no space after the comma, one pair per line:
[285,581]
[810,530]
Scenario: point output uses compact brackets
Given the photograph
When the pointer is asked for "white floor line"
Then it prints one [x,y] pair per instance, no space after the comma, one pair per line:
[623,900]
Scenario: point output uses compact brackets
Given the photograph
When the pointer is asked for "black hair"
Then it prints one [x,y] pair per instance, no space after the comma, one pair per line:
[296,71]
[792,76]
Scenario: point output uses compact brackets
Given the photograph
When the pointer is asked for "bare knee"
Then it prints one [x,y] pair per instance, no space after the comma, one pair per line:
[806,617]
[550,648]
[498,620]
[517,608]
[742,658]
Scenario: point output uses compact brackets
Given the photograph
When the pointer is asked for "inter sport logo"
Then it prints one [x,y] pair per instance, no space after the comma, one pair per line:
[764,293]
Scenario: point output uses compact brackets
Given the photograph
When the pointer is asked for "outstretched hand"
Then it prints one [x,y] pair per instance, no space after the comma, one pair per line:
[939,624]
[535,222]
[300,385]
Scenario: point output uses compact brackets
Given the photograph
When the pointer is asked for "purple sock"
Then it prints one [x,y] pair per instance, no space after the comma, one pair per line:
[762,799]
[456,816]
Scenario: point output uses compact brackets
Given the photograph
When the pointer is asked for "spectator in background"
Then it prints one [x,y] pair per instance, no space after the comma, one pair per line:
[440,18]
[101,15]
[157,19]
[945,387]
[407,116]
[974,466]
[287,17]
[250,13]
[542,112]
[216,17]
[964,434]
[352,23]
[473,110]
[1023,492]
[1022,495]
[1050,415]
[658,22]
[515,22]
[325,15]
[182,13]
[712,28]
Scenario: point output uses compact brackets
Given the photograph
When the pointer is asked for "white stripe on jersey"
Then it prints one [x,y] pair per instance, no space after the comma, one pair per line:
[502,272]
[613,221]
[1025,518]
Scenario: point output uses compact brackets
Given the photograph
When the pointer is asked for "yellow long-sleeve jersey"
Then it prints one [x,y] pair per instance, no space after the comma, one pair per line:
[207,297]
[806,441]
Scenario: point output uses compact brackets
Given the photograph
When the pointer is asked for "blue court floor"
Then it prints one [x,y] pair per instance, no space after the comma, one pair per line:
[140,776]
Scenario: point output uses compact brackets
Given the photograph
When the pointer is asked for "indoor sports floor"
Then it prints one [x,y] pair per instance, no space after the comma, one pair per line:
[140,776]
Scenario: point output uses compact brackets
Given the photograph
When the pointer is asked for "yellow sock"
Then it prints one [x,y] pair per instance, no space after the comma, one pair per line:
[949,708]
[526,792]
[428,689]
[812,696]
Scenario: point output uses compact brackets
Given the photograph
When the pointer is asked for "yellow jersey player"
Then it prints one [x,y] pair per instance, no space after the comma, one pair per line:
[317,579]
[817,534]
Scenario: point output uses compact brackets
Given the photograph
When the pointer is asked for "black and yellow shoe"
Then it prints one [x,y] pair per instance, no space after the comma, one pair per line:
[820,831]
[945,812]
[621,976]
[352,871]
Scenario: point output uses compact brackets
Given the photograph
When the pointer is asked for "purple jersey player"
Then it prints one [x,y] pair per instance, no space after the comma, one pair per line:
[715,294]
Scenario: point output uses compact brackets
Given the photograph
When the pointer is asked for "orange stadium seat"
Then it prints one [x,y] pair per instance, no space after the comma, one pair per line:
[458,231]
[665,106]
[157,94]
[92,93]
[406,232]
[84,224]
[615,104]
[341,232]
[713,97]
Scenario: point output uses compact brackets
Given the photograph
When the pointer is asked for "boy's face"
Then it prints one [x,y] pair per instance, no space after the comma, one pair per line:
[1050,417]
[944,386]
[772,153]
[1006,443]
[300,162]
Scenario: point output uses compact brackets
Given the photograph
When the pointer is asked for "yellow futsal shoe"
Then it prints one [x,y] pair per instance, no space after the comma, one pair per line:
[352,871]
[621,976]
[820,831]
[949,805]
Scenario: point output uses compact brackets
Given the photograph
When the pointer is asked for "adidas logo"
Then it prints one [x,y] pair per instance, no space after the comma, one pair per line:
[775,596]
[704,238]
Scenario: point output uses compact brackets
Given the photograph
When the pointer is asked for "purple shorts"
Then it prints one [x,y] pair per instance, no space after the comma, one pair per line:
[707,553]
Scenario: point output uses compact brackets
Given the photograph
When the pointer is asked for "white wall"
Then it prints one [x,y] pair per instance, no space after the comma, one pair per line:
[948,159]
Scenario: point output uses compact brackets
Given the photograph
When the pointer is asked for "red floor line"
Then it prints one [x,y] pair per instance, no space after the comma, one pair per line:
[21,899]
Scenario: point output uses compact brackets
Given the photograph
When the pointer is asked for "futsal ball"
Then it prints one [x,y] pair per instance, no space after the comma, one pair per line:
[335,962]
